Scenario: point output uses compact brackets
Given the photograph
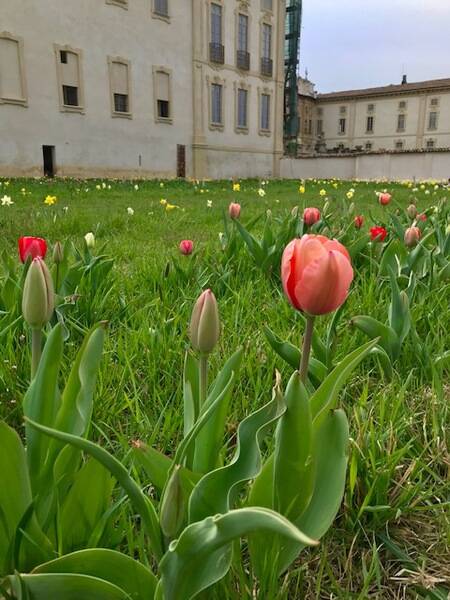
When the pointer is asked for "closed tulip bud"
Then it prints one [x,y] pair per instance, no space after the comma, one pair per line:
[326,207]
[384,198]
[234,210]
[58,253]
[38,300]
[294,211]
[186,247]
[412,237]
[351,208]
[358,221]
[311,216]
[412,211]
[205,325]
[172,506]
[90,239]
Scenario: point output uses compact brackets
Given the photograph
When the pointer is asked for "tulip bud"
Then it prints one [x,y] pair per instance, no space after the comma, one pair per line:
[351,208]
[412,236]
[58,253]
[234,210]
[311,216]
[186,247]
[358,221]
[412,211]
[38,300]
[172,506]
[205,325]
[326,207]
[384,198]
[90,239]
[294,211]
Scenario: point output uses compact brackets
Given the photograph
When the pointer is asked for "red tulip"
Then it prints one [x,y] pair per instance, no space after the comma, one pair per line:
[234,210]
[422,217]
[384,198]
[358,221]
[412,236]
[378,233]
[186,247]
[32,246]
[316,273]
[311,216]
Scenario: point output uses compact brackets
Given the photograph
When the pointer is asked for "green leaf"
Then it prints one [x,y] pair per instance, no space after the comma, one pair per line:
[216,491]
[108,565]
[388,339]
[393,256]
[64,587]
[399,317]
[358,245]
[384,361]
[141,503]
[252,243]
[202,554]
[294,464]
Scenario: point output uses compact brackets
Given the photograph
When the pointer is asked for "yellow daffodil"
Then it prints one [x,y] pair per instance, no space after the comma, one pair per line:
[163,202]
[170,207]
[50,200]
[349,195]
[301,189]
[236,187]
[262,192]
[323,192]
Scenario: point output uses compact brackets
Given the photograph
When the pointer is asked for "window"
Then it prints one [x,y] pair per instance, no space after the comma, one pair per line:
[370,108]
[432,120]
[402,105]
[216,104]
[342,124]
[431,144]
[399,145]
[68,68]
[265,112]
[12,75]
[161,7]
[434,102]
[216,24]
[310,127]
[369,146]
[119,75]
[343,110]
[401,122]
[163,94]
[243,33]
[369,125]
[266,50]
[319,127]
[319,111]
[266,4]
[242,108]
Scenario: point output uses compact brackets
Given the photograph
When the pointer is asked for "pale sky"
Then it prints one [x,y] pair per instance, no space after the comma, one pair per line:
[349,44]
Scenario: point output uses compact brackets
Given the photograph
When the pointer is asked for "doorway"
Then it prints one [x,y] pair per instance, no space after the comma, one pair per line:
[48,153]
[181,161]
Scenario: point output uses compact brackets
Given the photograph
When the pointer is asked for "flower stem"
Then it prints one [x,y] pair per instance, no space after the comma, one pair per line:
[36,350]
[306,350]
[203,378]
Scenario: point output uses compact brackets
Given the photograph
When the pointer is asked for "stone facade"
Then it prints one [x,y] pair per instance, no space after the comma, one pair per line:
[142,88]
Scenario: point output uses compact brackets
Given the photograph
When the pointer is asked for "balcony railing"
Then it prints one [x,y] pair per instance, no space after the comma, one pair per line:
[216,53]
[243,60]
[266,67]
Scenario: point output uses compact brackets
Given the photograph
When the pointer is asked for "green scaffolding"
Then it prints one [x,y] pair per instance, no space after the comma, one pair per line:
[291,61]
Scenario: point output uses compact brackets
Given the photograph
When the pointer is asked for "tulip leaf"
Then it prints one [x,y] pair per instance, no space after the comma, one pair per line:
[385,362]
[294,465]
[64,586]
[202,554]
[215,492]
[399,317]
[388,339]
[324,398]
[358,245]
[141,503]
[108,565]
[252,243]
[394,254]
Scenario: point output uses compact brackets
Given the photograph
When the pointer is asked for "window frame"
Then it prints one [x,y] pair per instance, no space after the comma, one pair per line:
[403,117]
[81,99]
[371,119]
[160,16]
[342,130]
[210,81]
[241,85]
[23,81]
[265,91]
[123,61]
[120,3]
[436,121]
[169,72]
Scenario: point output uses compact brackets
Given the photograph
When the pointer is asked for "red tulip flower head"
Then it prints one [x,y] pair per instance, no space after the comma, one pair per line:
[311,216]
[384,198]
[186,247]
[358,221]
[422,217]
[412,236]
[316,273]
[234,210]
[378,233]
[32,246]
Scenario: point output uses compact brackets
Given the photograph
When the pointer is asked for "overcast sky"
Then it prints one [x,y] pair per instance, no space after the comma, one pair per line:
[362,43]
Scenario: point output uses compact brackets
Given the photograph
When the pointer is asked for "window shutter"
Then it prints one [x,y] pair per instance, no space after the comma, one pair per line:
[120,78]
[162,86]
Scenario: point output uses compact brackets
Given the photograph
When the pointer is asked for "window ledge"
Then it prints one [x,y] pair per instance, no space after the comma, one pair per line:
[216,126]
[15,101]
[123,5]
[241,130]
[121,115]
[72,109]
[265,132]
[166,120]
[160,17]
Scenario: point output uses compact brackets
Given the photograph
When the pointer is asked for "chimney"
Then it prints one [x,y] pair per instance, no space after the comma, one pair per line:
[404,80]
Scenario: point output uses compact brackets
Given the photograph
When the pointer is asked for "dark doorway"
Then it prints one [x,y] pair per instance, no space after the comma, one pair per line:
[48,153]
[181,161]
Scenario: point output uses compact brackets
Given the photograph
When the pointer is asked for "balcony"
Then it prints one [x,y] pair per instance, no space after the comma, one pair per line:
[243,60]
[266,67]
[216,53]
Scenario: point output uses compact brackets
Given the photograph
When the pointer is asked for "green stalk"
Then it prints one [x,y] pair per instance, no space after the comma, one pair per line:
[36,350]
[57,278]
[306,350]
[203,378]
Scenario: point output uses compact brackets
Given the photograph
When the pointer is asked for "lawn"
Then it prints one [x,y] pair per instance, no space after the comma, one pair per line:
[391,538]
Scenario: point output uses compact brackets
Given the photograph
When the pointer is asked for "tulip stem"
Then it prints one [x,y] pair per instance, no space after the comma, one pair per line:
[36,350]
[203,378]
[306,350]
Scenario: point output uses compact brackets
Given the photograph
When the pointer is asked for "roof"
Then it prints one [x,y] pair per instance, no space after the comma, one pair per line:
[393,89]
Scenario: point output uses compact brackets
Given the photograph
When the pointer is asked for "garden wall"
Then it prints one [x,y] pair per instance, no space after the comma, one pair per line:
[393,167]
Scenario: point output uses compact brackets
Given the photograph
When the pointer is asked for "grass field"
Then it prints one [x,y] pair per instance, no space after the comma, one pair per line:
[392,536]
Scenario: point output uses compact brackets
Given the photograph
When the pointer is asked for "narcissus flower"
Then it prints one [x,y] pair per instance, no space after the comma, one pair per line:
[234,210]
[378,233]
[358,221]
[6,200]
[38,300]
[50,200]
[32,246]
[323,192]
[236,187]
[204,329]
[350,194]
[384,198]
[301,189]
[412,236]
[316,273]
[130,211]
[89,238]
[311,215]
[261,192]
[186,247]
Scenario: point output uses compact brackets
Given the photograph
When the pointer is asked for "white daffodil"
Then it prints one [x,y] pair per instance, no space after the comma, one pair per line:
[6,201]
[130,211]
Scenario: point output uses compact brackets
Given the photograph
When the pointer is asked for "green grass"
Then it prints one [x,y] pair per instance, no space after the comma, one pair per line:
[399,476]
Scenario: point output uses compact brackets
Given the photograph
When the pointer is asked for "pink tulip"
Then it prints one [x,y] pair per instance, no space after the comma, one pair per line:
[422,217]
[412,236]
[186,247]
[384,198]
[316,273]
[358,221]
[234,210]
[311,215]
